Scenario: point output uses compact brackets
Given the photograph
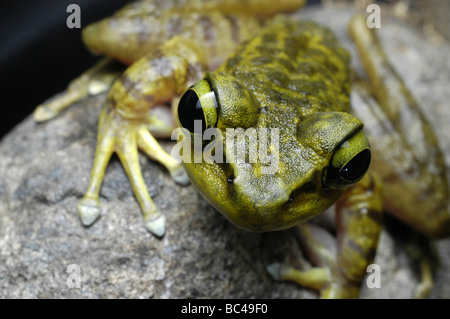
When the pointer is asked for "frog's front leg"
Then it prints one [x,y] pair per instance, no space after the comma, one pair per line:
[123,125]
[94,81]
[341,262]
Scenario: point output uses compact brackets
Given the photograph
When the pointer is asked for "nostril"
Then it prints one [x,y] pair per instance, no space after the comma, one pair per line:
[291,198]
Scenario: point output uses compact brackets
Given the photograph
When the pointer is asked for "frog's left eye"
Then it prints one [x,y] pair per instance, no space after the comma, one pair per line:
[349,163]
[198,106]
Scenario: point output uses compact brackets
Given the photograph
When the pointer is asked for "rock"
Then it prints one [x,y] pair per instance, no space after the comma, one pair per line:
[44,170]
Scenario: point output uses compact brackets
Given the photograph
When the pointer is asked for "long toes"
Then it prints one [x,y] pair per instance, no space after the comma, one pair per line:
[89,211]
[179,176]
[157,226]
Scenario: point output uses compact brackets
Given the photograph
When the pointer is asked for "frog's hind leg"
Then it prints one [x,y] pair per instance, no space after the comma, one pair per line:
[94,81]
[321,247]
[325,276]
[341,262]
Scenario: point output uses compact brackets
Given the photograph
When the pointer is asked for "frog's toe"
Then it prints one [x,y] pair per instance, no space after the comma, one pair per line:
[423,290]
[157,226]
[179,176]
[89,210]
[274,270]
[42,113]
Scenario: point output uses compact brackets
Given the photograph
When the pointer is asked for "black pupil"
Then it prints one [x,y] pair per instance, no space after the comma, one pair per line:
[189,110]
[357,166]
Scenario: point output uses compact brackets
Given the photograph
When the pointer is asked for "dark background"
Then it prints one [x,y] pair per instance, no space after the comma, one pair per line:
[39,54]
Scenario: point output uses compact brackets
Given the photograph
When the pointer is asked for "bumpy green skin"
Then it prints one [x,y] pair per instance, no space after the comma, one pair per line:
[292,76]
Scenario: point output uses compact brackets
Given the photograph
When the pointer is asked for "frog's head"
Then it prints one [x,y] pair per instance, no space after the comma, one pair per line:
[304,162]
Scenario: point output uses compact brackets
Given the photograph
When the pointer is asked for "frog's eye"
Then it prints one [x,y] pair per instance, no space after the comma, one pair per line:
[198,106]
[349,163]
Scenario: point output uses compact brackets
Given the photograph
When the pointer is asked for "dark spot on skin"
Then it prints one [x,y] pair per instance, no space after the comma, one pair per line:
[234,61]
[174,26]
[111,105]
[234,27]
[268,51]
[261,60]
[309,187]
[354,246]
[331,66]
[279,78]
[149,98]
[194,72]
[307,68]
[127,82]
[208,28]
[270,37]
[287,64]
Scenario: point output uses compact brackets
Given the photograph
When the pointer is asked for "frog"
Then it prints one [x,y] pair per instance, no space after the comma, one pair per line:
[228,65]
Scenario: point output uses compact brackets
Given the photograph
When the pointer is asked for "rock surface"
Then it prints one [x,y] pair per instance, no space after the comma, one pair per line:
[44,170]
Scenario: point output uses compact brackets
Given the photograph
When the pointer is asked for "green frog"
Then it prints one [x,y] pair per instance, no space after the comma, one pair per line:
[233,68]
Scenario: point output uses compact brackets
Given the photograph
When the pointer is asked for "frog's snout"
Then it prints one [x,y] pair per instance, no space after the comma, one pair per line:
[275,198]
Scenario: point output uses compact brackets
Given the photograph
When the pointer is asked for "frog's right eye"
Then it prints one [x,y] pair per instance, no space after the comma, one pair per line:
[197,109]
[349,163]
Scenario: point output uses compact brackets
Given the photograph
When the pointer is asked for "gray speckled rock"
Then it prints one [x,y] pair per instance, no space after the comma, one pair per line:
[44,169]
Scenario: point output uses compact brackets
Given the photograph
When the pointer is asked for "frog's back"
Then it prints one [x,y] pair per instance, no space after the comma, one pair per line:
[294,68]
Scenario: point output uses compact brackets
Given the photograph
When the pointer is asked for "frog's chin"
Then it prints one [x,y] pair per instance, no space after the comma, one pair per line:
[264,221]
[278,217]
[262,227]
